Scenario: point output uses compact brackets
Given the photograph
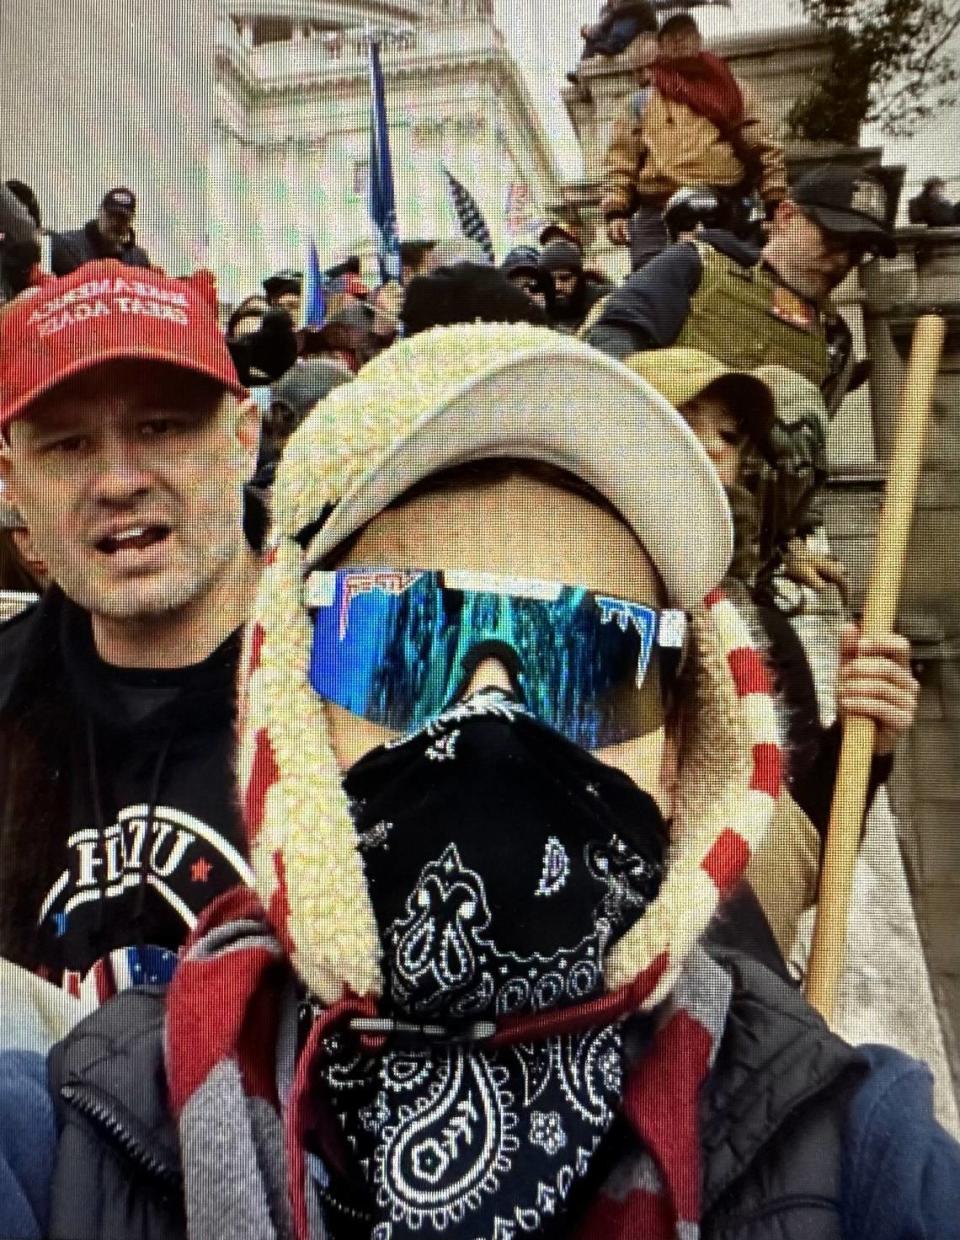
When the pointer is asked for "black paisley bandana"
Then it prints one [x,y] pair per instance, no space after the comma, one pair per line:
[502,862]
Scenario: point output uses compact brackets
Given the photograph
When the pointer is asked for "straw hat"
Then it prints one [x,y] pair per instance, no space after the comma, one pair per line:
[681,374]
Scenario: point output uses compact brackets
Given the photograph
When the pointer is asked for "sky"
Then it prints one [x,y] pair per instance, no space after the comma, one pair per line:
[544,37]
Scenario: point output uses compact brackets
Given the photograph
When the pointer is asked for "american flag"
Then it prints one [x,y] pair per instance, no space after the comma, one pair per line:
[472,224]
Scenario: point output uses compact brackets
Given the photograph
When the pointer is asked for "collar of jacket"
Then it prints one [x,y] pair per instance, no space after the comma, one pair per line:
[756,1086]
[98,241]
[122,1096]
[777,1054]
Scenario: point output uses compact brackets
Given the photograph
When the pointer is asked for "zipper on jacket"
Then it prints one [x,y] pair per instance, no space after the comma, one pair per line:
[101,1117]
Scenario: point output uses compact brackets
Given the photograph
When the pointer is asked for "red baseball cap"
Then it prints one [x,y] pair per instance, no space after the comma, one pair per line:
[101,312]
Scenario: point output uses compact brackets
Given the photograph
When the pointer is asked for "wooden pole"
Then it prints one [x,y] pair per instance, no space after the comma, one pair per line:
[880,610]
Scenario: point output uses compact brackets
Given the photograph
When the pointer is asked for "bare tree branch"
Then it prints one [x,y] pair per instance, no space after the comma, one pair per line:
[891,62]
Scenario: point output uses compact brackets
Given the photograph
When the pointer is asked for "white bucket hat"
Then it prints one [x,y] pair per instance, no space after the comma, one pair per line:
[549,399]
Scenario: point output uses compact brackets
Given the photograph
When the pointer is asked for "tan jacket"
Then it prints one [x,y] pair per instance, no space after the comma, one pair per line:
[669,146]
[785,872]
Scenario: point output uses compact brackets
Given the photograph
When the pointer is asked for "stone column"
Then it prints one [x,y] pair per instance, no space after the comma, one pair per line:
[98,95]
[229,236]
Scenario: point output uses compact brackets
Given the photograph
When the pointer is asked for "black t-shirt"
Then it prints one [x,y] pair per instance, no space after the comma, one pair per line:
[139,827]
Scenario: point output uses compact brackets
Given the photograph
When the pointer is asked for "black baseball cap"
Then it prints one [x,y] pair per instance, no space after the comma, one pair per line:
[120,199]
[285,281]
[559,232]
[845,200]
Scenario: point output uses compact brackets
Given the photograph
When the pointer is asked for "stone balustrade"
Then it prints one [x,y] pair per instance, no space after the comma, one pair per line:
[395,26]
[925,277]
[344,53]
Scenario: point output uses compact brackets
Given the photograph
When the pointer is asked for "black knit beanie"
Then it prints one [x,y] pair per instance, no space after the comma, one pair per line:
[561,256]
[466,293]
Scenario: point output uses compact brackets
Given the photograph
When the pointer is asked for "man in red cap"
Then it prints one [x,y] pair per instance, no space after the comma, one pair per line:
[127,440]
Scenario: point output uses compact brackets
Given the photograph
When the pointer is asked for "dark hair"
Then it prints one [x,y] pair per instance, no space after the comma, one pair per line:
[466,293]
[676,23]
[414,253]
[24,194]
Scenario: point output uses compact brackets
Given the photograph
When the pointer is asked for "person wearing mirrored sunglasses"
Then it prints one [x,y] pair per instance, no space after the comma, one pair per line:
[597,663]
[497,785]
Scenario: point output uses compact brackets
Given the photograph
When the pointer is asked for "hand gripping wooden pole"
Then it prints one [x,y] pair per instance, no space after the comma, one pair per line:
[883,594]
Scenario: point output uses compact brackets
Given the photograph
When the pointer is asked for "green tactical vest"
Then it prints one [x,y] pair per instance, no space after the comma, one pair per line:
[730,319]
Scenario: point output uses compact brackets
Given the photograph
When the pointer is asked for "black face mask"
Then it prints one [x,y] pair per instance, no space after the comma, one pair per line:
[502,861]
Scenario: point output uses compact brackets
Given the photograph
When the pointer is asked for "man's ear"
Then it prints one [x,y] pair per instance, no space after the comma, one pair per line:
[7,484]
[248,433]
[35,563]
[785,212]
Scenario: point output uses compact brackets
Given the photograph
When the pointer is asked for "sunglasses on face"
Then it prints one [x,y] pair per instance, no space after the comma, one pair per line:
[399,647]
[855,249]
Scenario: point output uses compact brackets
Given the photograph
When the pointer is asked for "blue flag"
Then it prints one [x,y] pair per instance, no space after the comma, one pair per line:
[314,289]
[383,207]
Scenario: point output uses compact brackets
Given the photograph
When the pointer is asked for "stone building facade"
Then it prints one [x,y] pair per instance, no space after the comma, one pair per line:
[95,95]
[290,149]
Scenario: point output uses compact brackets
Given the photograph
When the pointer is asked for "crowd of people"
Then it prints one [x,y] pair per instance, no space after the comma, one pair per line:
[410,779]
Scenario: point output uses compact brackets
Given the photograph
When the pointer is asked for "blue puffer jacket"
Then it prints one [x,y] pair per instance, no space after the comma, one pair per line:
[901,1171]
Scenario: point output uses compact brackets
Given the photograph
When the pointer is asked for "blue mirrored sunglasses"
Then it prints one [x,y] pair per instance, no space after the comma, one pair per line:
[398,647]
